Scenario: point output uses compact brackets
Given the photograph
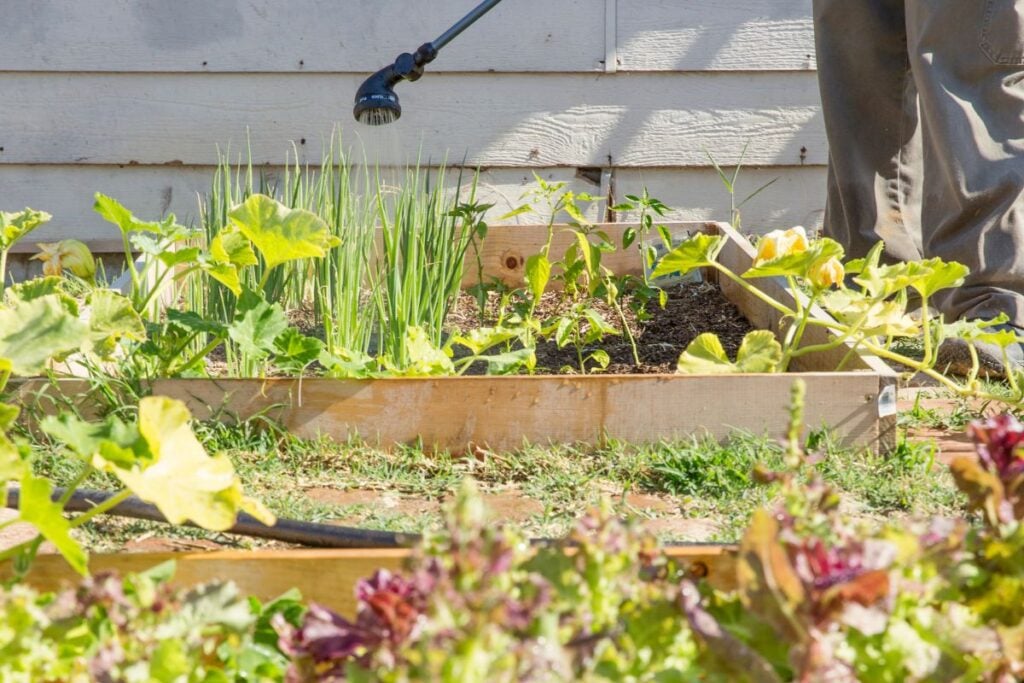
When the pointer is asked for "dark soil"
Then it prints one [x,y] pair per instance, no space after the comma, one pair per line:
[692,309]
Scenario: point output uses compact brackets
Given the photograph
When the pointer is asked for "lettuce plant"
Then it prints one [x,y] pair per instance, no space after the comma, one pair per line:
[138,629]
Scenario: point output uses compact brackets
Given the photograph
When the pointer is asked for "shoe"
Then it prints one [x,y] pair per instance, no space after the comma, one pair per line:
[954,356]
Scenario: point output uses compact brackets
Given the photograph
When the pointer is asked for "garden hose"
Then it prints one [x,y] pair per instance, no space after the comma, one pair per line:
[286,530]
[310,534]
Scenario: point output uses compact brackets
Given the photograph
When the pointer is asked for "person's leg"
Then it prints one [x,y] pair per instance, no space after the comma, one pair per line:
[967,58]
[870,108]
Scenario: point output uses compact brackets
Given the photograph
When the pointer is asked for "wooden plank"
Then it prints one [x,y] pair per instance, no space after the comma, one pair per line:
[710,35]
[295,36]
[797,197]
[514,120]
[363,35]
[328,577]
[696,195]
[503,414]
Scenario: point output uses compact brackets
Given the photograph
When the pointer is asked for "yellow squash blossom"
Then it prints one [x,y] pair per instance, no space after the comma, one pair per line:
[779,243]
[825,274]
[71,255]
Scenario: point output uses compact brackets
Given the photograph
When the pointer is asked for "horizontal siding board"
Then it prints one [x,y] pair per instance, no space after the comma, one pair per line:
[363,35]
[796,197]
[295,35]
[695,194]
[152,191]
[711,35]
[513,120]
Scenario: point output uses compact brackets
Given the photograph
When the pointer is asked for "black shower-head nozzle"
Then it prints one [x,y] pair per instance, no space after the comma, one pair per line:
[376,101]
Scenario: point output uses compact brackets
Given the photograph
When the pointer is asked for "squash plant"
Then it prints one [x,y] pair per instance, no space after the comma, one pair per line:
[156,457]
[13,227]
[870,313]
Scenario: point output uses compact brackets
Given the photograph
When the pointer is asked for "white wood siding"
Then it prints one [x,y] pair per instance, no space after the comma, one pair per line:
[134,97]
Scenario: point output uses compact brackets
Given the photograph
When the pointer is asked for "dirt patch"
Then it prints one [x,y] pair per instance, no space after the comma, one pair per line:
[949,445]
[684,530]
[372,499]
[510,506]
[691,310]
[645,502]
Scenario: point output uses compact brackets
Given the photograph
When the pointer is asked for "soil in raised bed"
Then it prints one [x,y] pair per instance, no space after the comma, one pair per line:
[692,309]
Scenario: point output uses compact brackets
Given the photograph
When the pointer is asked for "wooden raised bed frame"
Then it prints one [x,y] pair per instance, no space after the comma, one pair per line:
[324,576]
[503,413]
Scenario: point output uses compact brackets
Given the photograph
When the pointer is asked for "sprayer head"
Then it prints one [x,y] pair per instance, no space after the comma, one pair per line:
[376,101]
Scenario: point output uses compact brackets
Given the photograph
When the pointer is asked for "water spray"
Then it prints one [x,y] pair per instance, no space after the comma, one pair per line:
[376,101]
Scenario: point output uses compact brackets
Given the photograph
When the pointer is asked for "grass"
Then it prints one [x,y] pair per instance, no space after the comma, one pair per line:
[689,490]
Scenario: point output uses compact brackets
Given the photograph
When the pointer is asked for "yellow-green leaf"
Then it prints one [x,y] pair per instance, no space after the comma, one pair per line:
[759,352]
[32,332]
[705,355]
[873,317]
[282,234]
[183,481]
[233,248]
[700,251]
[538,274]
[36,507]
[113,318]
[425,359]
[14,226]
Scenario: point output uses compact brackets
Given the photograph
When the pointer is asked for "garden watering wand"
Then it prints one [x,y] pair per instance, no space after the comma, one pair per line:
[376,101]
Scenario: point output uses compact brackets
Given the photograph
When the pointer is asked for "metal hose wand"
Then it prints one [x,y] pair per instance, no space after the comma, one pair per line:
[376,101]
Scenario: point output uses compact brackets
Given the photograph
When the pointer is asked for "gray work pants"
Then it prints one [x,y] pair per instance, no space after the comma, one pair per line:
[924,108]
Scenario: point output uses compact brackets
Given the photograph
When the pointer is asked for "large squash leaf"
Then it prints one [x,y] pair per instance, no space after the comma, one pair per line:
[257,325]
[700,251]
[14,226]
[282,234]
[759,352]
[115,212]
[113,318]
[32,332]
[182,480]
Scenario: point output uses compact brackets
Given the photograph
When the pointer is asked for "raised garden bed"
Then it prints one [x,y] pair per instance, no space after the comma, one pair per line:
[499,413]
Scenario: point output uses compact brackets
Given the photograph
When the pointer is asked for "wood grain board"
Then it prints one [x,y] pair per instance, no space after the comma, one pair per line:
[516,120]
[710,35]
[324,576]
[96,88]
[363,35]
[696,194]
[502,414]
